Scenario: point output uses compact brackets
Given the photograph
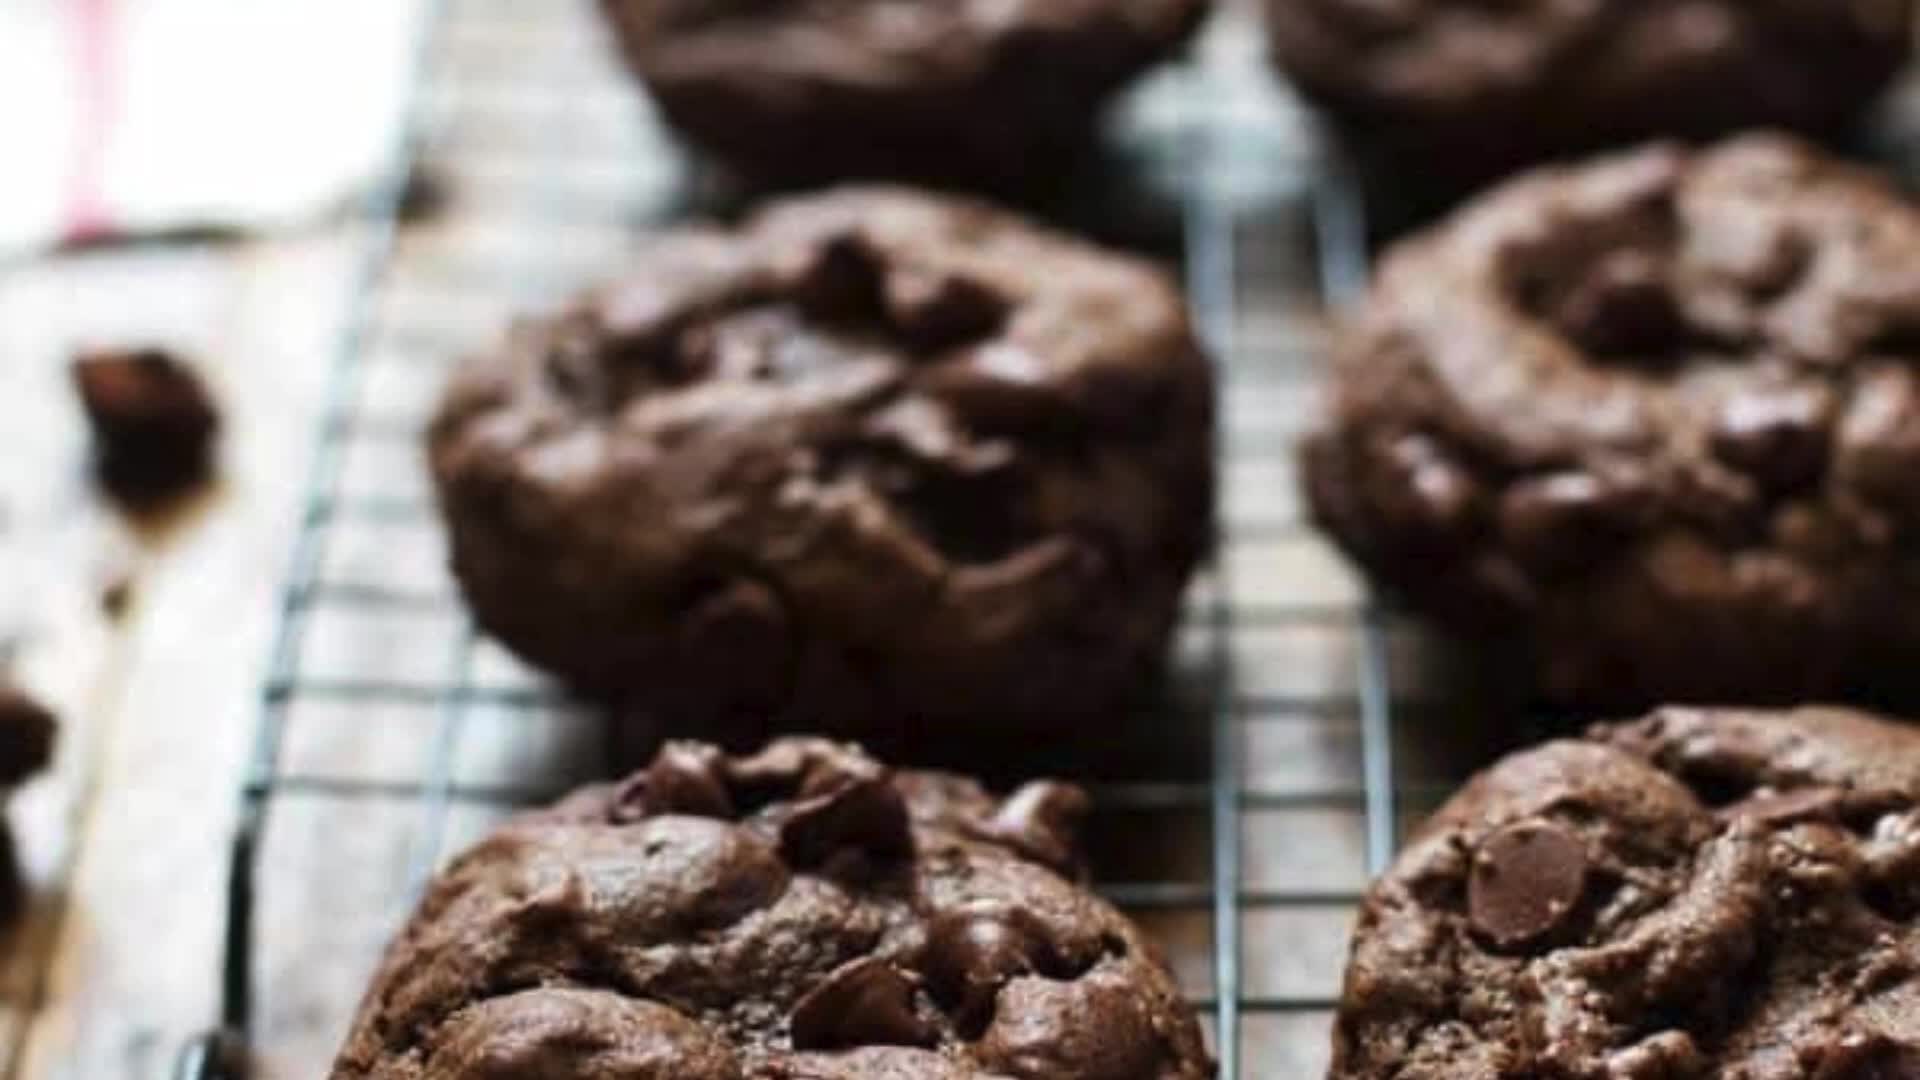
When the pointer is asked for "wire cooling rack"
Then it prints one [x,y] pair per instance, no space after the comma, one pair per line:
[1237,823]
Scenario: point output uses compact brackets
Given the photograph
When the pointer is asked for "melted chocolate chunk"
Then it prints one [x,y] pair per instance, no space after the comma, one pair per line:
[1042,821]
[864,1002]
[969,956]
[685,778]
[1526,880]
[865,815]
[1779,434]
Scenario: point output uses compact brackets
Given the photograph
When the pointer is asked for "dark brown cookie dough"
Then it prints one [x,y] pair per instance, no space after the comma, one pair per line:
[874,455]
[994,90]
[1451,91]
[1656,418]
[802,913]
[153,424]
[1698,894]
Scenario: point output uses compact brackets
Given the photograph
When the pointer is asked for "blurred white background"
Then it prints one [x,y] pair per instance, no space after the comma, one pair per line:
[133,116]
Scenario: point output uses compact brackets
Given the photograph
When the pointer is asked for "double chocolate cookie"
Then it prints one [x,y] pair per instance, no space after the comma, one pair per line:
[1697,894]
[875,459]
[985,90]
[802,913]
[1656,418]
[1460,90]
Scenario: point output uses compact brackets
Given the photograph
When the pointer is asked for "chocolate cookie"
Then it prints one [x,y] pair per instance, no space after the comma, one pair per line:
[1702,893]
[802,913]
[1656,418]
[986,90]
[873,455]
[1460,90]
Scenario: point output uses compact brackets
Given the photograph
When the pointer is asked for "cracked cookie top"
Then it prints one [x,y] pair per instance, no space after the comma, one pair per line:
[1697,894]
[872,446]
[800,913]
[1658,415]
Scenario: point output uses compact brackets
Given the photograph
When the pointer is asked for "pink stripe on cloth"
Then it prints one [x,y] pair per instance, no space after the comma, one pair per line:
[93,25]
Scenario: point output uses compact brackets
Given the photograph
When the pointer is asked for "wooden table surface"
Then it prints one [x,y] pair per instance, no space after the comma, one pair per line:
[127,841]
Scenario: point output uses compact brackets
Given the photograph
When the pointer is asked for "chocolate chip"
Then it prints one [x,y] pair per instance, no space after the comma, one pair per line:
[1624,307]
[1525,882]
[1775,267]
[866,815]
[1042,821]
[838,280]
[866,1002]
[1563,518]
[927,434]
[796,768]
[969,956]
[1000,386]
[684,778]
[1780,808]
[939,311]
[778,768]
[1777,434]
[827,767]
[640,337]
[1084,1028]
[629,802]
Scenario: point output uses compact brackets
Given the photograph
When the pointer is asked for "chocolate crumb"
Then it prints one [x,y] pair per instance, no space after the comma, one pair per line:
[153,424]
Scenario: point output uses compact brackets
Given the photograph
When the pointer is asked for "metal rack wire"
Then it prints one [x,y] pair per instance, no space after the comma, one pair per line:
[1284,675]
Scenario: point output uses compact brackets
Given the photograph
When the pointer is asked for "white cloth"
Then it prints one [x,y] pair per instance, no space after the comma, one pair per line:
[136,116]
